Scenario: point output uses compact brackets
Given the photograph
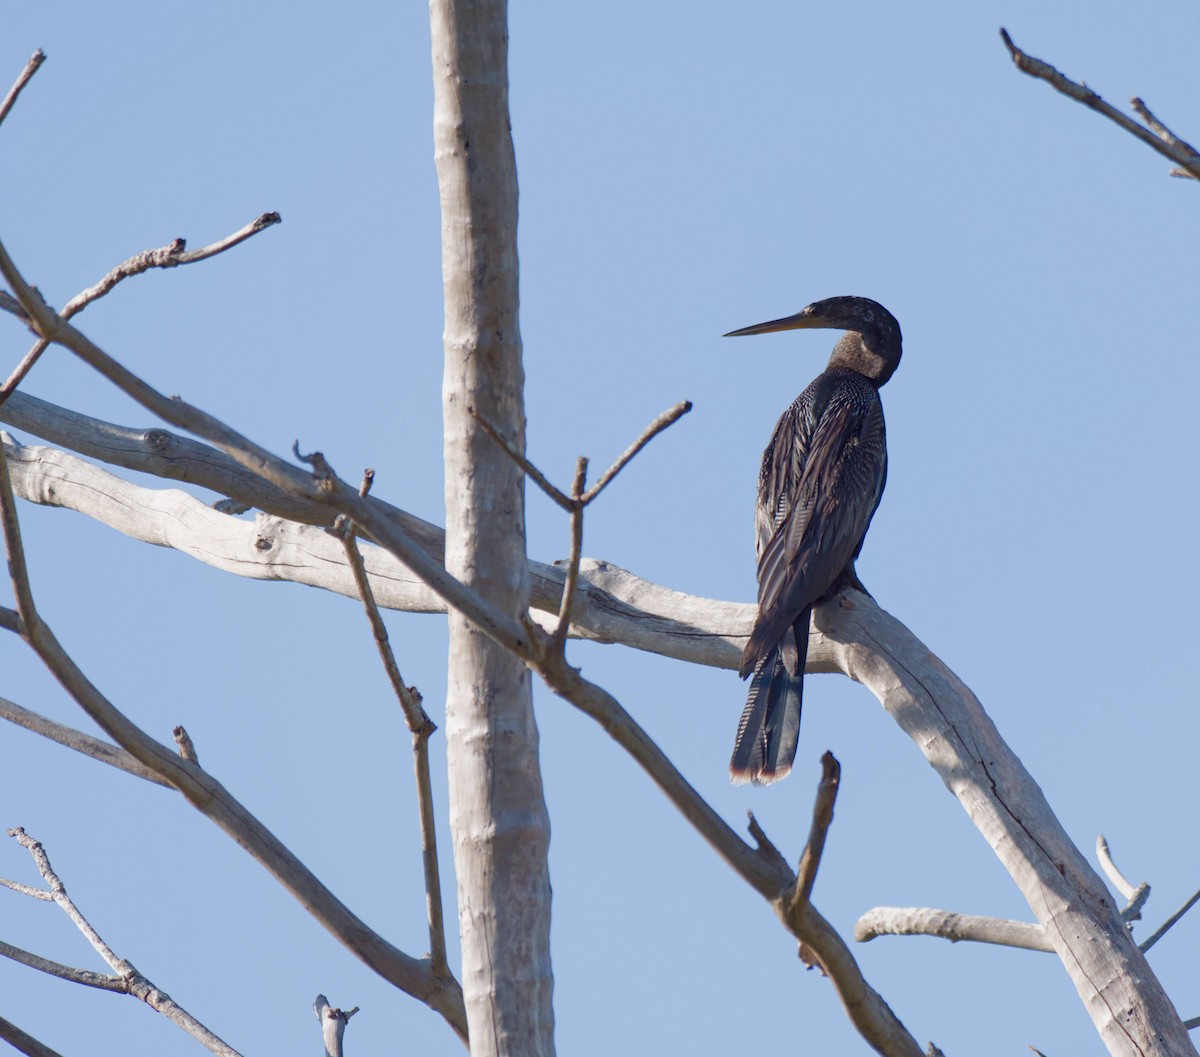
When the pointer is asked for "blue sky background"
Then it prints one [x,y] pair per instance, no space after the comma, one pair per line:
[685,169]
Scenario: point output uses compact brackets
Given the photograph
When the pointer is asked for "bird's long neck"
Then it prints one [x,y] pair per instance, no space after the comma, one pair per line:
[873,355]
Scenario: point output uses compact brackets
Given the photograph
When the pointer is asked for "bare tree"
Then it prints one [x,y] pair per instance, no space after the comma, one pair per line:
[511,617]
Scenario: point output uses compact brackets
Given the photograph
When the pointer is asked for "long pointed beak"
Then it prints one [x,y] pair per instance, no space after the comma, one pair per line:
[802,319]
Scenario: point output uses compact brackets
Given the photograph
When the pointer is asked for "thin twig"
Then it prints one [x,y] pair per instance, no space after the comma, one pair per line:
[558,640]
[1174,149]
[827,789]
[83,977]
[1135,895]
[667,418]
[1161,130]
[578,499]
[12,306]
[135,983]
[532,471]
[1104,856]
[26,890]
[169,256]
[17,571]
[31,67]
[103,751]
[1162,929]
[948,925]
[420,726]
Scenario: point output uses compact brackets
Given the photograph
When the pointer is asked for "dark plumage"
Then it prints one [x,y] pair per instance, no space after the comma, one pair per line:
[821,480]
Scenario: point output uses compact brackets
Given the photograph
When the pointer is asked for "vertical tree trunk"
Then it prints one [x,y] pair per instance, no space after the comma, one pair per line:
[499,822]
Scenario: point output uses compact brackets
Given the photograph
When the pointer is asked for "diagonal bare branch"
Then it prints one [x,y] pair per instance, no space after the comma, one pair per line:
[531,471]
[103,751]
[1168,145]
[83,977]
[810,860]
[31,67]
[133,982]
[421,727]
[1162,929]
[24,1042]
[169,256]
[663,421]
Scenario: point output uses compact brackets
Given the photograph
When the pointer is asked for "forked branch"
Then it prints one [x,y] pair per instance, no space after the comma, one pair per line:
[125,978]
[577,501]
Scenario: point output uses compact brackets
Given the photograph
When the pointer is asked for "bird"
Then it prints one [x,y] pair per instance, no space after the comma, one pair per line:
[820,483]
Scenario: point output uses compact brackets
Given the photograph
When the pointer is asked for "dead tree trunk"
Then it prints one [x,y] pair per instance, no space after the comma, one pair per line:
[499,821]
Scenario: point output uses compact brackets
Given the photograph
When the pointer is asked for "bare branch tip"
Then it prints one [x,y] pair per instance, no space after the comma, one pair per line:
[187,750]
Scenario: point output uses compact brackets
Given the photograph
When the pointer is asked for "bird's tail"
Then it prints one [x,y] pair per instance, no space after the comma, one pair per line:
[770,725]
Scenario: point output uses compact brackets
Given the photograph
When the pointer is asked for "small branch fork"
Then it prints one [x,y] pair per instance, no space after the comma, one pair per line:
[1154,133]
[333,1024]
[124,979]
[575,503]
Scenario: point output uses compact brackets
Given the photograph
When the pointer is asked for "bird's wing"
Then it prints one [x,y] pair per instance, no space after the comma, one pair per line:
[823,479]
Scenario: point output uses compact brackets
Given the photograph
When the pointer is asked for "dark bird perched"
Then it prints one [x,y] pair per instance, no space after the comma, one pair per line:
[821,480]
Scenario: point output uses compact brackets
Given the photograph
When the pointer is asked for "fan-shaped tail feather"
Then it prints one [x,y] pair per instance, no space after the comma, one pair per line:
[770,725]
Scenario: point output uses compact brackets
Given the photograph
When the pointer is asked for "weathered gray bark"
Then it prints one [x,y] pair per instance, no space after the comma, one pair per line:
[855,637]
[1127,1004]
[499,822]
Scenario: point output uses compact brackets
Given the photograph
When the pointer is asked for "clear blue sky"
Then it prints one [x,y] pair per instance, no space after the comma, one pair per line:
[685,169]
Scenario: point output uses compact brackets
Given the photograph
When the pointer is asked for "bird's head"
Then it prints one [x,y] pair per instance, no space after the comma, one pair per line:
[872,344]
